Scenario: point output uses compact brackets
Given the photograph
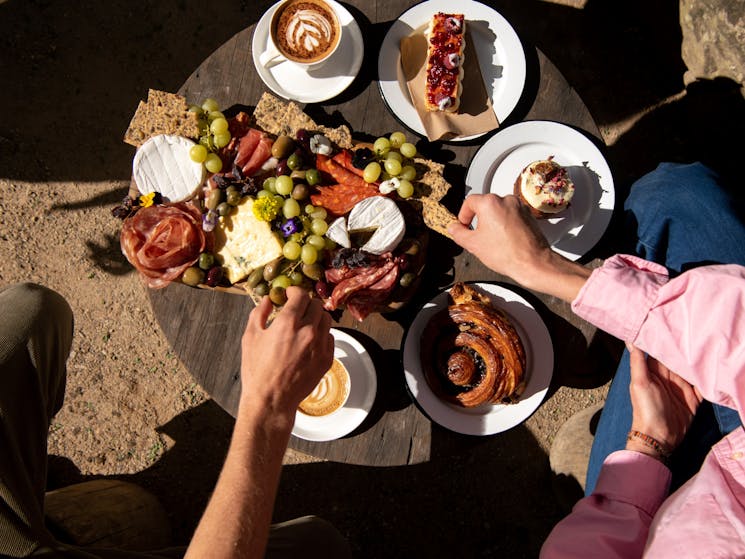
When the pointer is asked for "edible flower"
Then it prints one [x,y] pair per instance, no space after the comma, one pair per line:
[147,200]
[320,144]
[266,208]
[209,220]
[291,226]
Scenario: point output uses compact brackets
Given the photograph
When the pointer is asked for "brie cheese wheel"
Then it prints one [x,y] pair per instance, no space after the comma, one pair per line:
[244,242]
[338,232]
[162,164]
[382,215]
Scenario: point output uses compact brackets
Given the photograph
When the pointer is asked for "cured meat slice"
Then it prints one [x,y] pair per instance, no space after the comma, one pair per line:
[247,146]
[365,278]
[364,301]
[162,241]
[339,173]
[344,158]
[253,151]
[339,199]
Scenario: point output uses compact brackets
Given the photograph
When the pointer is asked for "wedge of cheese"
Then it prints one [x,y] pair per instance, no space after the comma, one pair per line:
[162,164]
[382,216]
[243,242]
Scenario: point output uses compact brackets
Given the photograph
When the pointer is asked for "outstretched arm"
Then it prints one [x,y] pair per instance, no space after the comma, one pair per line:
[508,241]
[280,365]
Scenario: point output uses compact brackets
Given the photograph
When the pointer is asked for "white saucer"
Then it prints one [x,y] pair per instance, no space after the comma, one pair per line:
[363,387]
[500,160]
[487,419]
[312,86]
[499,50]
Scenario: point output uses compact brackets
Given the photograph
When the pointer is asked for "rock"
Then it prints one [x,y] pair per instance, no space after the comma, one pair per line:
[713,39]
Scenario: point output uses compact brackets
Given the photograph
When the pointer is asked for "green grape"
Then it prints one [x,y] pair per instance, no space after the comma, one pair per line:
[408,172]
[270,185]
[319,226]
[393,167]
[196,109]
[221,139]
[213,163]
[382,146]
[405,189]
[312,177]
[219,125]
[408,150]
[215,115]
[371,172]
[283,185]
[395,155]
[291,250]
[281,281]
[309,254]
[397,139]
[198,153]
[317,241]
[309,209]
[263,193]
[296,278]
[210,104]
[291,208]
[319,213]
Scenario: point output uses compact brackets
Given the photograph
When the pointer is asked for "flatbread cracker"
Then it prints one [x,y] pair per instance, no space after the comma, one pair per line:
[436,216]
[163,113]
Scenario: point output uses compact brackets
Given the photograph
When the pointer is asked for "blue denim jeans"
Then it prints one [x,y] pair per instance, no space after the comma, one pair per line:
[681,217]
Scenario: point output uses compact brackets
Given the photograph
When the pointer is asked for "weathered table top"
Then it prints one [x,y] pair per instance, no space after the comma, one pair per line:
[205,327]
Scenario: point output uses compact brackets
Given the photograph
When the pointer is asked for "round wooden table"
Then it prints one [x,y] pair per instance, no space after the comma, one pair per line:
[205,327]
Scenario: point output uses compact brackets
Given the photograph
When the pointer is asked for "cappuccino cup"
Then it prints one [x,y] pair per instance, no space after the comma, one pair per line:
[330,393]
[303,32]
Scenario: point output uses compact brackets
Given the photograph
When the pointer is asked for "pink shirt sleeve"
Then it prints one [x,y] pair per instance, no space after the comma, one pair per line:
[693,324]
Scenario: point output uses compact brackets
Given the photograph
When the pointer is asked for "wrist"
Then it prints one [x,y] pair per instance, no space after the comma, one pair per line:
[267,411]
[639,441]
[554,275]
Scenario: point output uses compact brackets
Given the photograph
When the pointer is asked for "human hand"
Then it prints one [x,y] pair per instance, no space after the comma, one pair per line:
[508,240]
[282,363]
[663,403]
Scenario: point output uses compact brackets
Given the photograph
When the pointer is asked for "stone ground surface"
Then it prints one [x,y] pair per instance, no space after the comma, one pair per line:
[72,74]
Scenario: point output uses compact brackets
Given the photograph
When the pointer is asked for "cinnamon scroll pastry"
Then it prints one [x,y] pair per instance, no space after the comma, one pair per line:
[471,353]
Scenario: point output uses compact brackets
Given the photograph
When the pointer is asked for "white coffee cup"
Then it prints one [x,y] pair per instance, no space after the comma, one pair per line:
[303,32]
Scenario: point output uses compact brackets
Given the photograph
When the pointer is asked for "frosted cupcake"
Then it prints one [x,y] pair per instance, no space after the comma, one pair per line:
[545,188]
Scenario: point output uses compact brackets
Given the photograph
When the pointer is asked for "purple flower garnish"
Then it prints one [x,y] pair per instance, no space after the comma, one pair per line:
[209,220]
[292,225]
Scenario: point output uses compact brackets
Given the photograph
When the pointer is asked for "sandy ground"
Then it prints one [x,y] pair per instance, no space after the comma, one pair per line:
[71,76]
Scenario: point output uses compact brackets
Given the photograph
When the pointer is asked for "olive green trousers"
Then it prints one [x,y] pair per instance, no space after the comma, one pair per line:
[36,326]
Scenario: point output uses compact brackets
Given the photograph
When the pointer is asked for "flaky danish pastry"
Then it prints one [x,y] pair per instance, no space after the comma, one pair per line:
[471,353]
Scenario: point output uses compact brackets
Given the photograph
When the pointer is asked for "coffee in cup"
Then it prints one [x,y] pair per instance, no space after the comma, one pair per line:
[305,32]
[330,393]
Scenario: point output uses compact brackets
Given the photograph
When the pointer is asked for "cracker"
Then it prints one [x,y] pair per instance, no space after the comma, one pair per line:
[163,113]
[436,216]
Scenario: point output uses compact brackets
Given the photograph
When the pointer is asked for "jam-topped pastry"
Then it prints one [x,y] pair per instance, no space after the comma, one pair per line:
[446,45]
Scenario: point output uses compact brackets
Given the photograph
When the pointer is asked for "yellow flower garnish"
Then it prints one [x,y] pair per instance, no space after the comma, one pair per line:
[146,200]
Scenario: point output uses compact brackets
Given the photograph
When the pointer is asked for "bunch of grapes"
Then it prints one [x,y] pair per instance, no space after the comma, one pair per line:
[393,160]
[213,135]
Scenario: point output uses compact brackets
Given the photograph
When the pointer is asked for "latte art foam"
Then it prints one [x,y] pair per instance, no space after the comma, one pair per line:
[306,31]
[329,394]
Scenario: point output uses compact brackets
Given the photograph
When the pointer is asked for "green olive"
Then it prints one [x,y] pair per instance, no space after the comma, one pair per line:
[298,174]
[230,189]
[300,191]
[234,198]
[192,276]
[255,277]
[261,289]
[282,147]
[213,199]
[224,208]
[206,260]
[272,269]
[413,248]
[312,176]
[407,279]
[277,295]
[313,271]
[294,161]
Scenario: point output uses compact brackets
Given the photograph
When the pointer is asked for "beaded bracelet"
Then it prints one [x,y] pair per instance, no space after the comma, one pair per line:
[650,442]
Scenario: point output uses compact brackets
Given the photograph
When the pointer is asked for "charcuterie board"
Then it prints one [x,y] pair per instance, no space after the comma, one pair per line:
[255,202]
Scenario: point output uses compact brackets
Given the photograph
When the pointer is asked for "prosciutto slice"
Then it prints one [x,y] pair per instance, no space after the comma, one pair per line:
[253,151]
[162,241]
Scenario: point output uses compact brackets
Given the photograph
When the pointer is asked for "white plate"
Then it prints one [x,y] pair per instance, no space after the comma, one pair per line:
[487,419]
[500,160]
[500,53]
[362,390]
[312,86]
